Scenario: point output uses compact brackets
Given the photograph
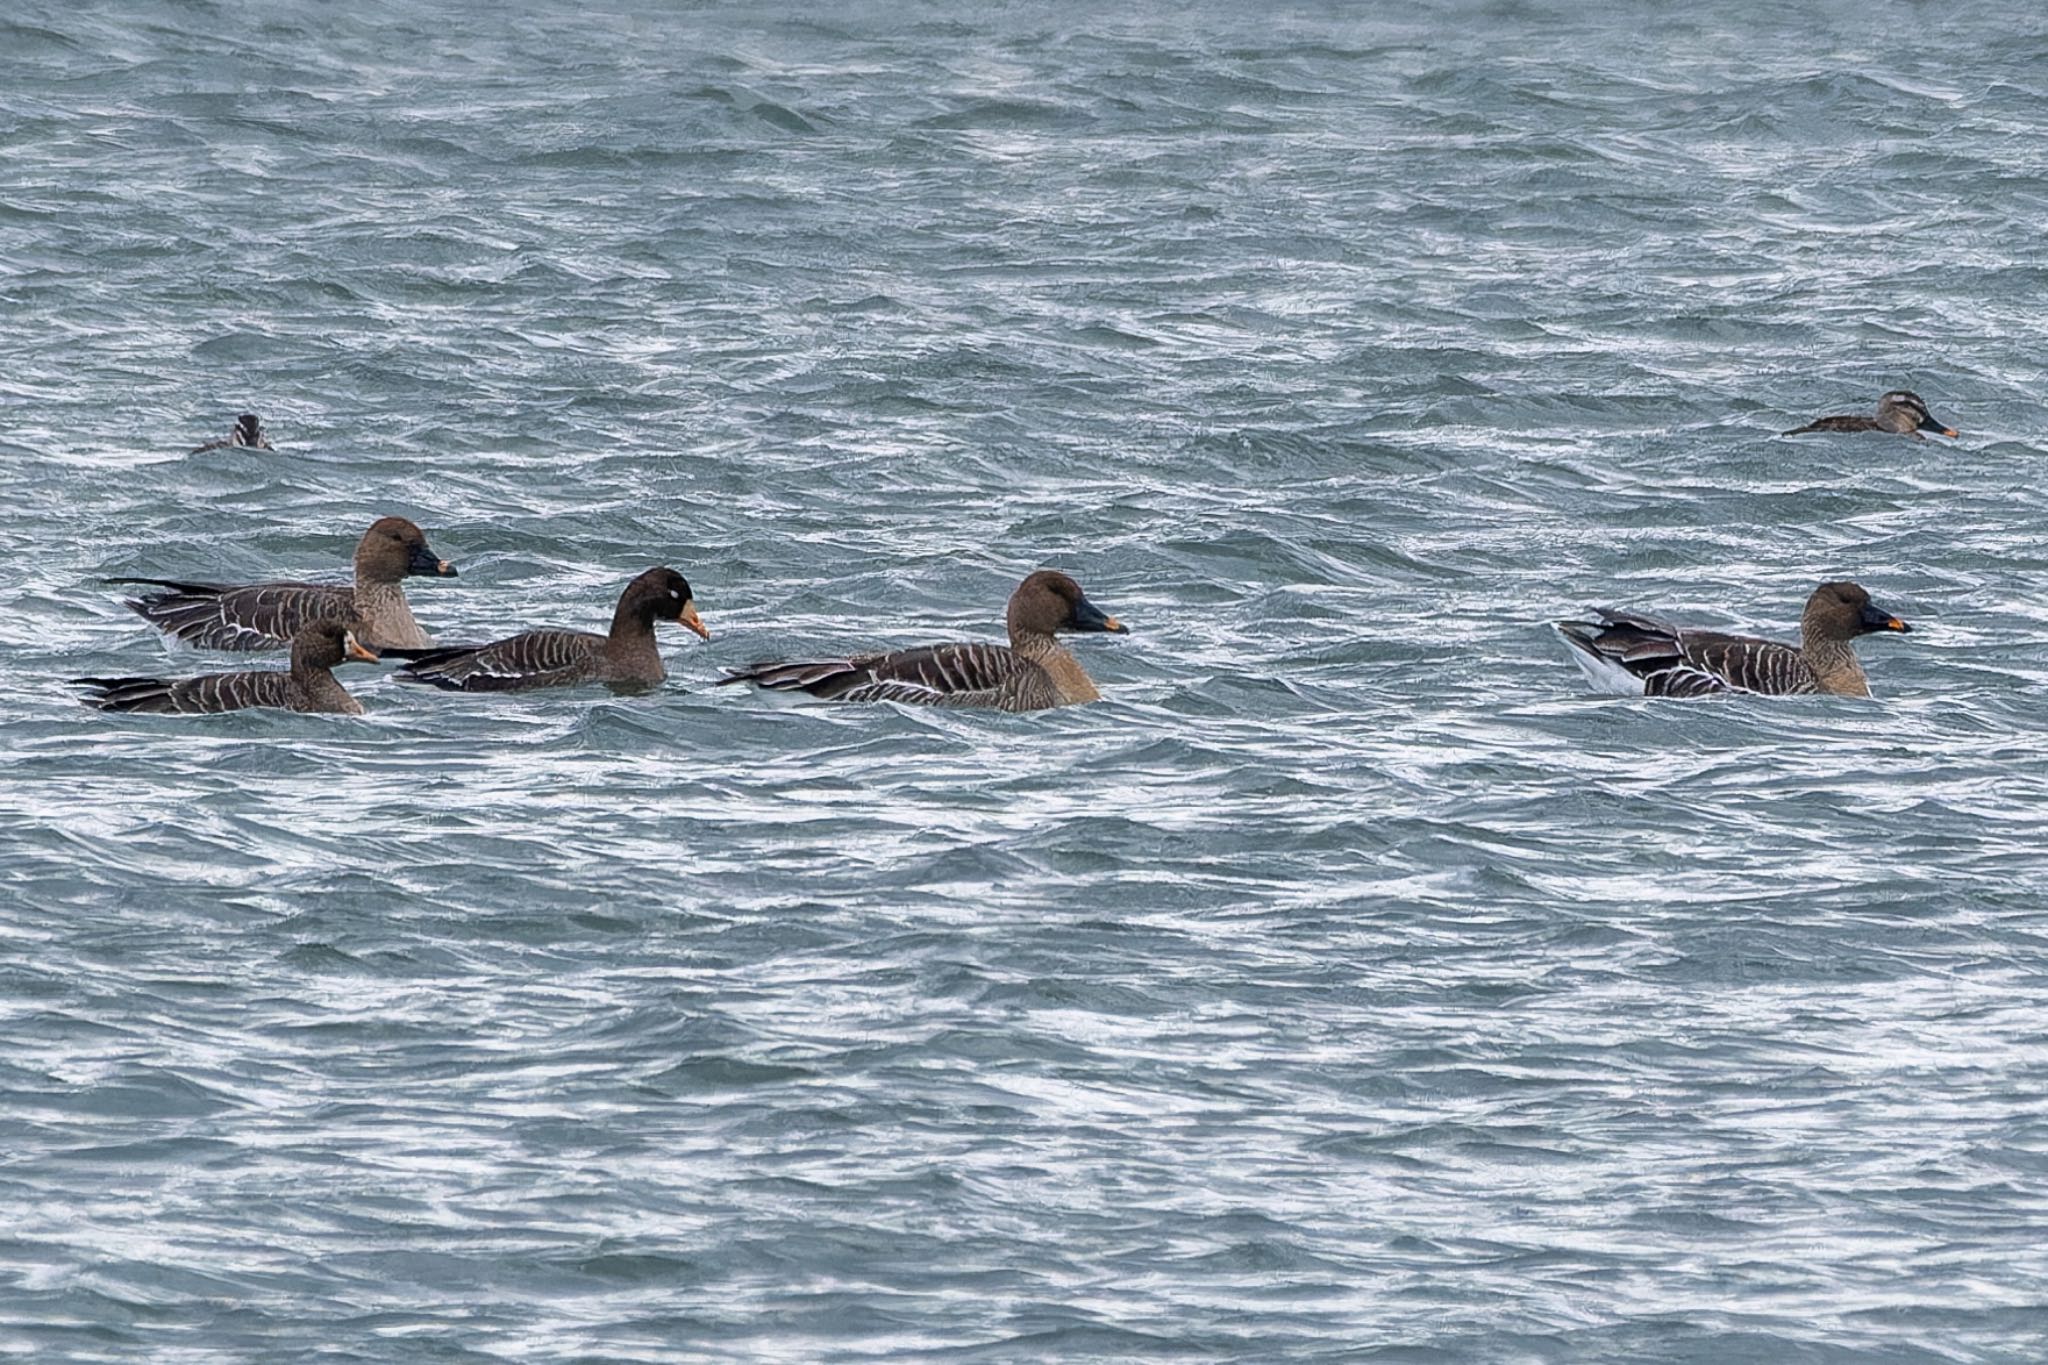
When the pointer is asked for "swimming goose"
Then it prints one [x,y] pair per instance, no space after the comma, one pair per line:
[1034,673]
[561,658]
[1642,656]
[308,685]
[1900,412]
[248,432]
[265,615]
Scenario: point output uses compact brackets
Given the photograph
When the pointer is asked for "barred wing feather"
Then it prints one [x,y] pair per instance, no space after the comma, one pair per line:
[931,675]
[207,695]
[1742,663]
[539,658]
[252,617]
[1671,662]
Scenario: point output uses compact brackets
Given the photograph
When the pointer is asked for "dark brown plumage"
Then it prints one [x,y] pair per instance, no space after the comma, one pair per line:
[248,431]
[1641,655]
[266,615]
[1900,412]
[308,685]
[561,658]
[1035,672]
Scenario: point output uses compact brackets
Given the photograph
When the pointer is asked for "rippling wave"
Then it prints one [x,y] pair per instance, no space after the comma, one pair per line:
[1348,984]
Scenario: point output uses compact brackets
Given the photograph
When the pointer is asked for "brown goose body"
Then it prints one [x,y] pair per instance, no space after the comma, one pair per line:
[308,685]
[1644,656]
[1900,412]
[1033,673]
[626,657]
[266,615]
[248,431]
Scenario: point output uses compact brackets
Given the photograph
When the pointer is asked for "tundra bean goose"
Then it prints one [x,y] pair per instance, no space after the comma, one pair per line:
[266,615]
[1643,656]
[1034,673]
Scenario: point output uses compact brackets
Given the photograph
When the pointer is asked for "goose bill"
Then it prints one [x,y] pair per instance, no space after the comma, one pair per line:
[1088,616]
[1877,618]
[420,562]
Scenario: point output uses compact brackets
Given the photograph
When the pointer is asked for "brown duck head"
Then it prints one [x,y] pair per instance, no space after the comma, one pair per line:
[394,548]
[325,643]
[1903,411]
[1839,612]
[1049,601]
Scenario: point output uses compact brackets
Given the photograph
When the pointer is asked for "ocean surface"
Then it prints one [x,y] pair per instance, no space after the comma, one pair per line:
[1350,984]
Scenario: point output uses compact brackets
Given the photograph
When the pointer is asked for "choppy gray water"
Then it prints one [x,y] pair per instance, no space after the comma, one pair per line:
[1349,985]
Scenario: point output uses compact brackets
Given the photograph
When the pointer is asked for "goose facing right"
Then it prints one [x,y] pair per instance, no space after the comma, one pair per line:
[308,685]
[1643,656]
[1034,673]
[1900,412]
[626,657]
[266,615]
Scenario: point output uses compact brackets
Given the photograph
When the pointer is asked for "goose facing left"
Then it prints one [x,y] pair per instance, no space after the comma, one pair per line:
[1643,656]
[266,615]
[308,685]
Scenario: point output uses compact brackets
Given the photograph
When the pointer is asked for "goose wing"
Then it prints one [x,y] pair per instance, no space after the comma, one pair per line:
[1736,663]
[1674,662]
[209,694]
[1855,423]
[253,616]
[539,658]
[931,675]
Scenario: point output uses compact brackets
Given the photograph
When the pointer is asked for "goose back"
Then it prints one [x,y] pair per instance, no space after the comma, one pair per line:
[1641,654]
[538,658]
[251,617]
[981,675]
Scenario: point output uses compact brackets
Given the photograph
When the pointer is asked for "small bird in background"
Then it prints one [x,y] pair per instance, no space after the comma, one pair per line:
[248,432]
[1900,412]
